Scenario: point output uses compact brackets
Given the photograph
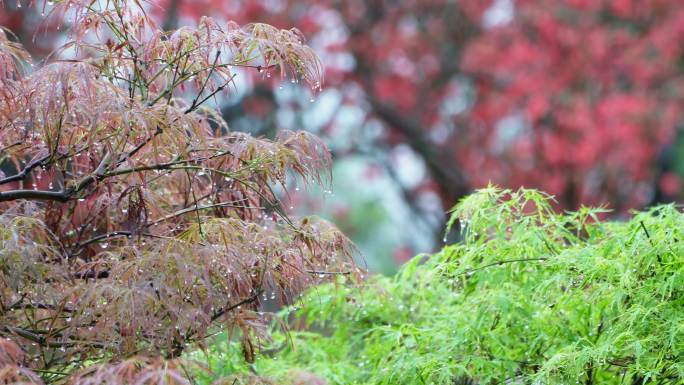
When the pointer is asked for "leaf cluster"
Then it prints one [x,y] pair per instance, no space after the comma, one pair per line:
[529,296]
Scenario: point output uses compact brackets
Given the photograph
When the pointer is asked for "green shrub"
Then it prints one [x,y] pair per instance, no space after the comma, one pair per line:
[530,296]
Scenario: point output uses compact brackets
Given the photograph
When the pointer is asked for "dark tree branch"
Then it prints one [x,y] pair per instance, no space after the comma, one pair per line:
[25,171]
[40,306]
[99,174]
[218,314]
[319,272]
[60,196]
[43,341]
[440,163]
[195,102]
[171,18]
[137,148]
[453,184]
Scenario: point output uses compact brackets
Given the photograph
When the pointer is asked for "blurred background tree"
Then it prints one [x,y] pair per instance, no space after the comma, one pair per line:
[427,100]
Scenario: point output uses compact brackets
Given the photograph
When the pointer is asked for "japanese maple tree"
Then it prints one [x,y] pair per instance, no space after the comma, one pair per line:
[133,221]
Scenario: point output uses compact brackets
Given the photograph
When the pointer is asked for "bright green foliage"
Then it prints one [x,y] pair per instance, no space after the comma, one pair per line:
[529,297]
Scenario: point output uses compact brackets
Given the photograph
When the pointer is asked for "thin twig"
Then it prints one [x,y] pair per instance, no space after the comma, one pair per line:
[471,271]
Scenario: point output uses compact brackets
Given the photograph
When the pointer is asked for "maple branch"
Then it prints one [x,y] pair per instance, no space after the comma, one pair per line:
[499,263]
[25,171]
[234,306]
[319,272]
[60,196]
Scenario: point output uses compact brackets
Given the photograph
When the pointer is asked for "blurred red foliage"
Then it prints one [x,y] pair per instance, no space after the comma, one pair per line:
[577,97]
[598,85]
